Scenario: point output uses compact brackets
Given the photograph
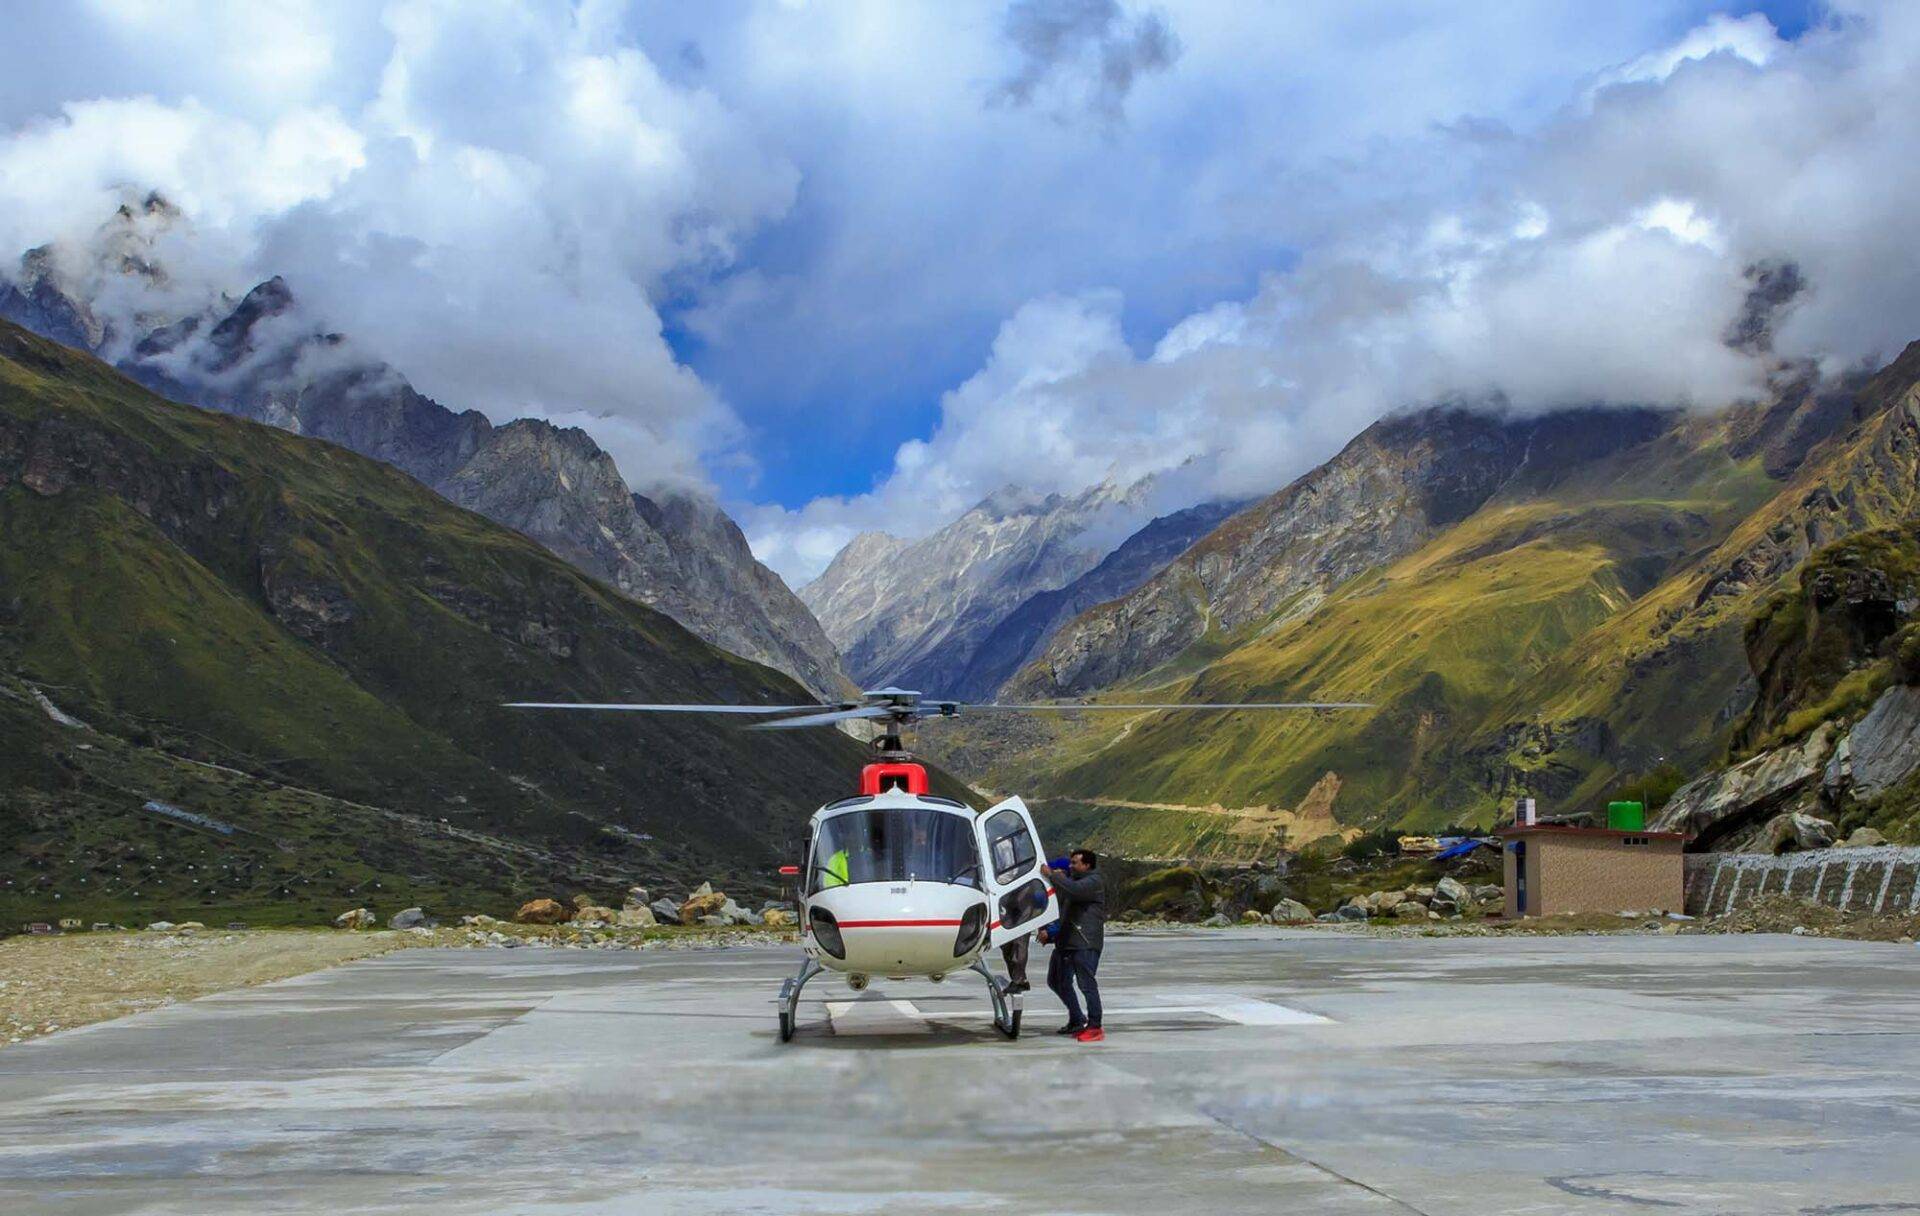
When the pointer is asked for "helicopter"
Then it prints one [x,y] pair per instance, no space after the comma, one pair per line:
[899,882]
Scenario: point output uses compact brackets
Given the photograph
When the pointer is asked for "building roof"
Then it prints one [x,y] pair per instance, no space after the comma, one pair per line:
[1567,829]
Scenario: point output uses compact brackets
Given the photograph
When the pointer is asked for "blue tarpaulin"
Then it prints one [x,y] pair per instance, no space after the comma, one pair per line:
[1458,849]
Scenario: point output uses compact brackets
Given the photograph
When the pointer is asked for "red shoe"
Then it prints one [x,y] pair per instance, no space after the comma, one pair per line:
[1092,1034]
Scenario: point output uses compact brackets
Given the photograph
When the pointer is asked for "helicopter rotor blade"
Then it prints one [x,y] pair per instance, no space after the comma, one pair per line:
[827,719]
[1177,705]
[667,709]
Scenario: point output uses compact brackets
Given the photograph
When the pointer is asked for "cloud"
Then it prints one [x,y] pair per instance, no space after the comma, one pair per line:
[810,249]
[1085,54]
[1616,252]
[1751,38]
[491,198]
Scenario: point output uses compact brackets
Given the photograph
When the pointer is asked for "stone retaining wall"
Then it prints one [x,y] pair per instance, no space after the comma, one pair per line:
[1870,880]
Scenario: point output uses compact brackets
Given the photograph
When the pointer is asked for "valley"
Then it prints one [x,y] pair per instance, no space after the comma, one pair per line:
[306,651]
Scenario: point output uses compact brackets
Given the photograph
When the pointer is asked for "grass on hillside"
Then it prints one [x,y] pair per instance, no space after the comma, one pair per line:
[202,590]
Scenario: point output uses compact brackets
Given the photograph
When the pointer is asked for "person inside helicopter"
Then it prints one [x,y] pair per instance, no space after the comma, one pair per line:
[896,844]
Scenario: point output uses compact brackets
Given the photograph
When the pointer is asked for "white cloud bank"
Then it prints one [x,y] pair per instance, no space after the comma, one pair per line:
[489,196]
[1602,257]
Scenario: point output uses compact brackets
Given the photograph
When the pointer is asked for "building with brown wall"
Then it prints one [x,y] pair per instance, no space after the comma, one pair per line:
[1552,869]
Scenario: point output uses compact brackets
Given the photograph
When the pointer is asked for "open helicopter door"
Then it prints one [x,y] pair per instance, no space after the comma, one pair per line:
[1020,898]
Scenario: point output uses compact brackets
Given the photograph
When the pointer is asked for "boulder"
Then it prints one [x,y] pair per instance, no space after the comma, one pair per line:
[1491,892]
[1291,912]
[1216,921]
[1328,917]
[1838,777]
[733,912]
[1177,893]
[480,920]
[637,897]
[1383,903]
[590,914]
[1863,838]
[665,911]
[407,918]
[641,917]
[160,926]
[705,888]
[1251,916]
[1711,807]
[747,918]
[1450,890]
[1796,832]
[582,901]
[188,926]
[1443,907]
[543,912]
[779,918]
[356,918]
[1351,911]
[718,922]
[1884,747]
[1409,910]
[700,906]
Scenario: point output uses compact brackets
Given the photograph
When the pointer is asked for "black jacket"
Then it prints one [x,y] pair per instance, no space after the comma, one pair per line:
[1083,910]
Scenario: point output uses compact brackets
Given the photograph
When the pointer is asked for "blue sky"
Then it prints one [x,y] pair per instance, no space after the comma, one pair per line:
[858,263]
[883,394]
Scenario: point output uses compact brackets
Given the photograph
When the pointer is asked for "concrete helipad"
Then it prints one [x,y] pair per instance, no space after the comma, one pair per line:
[1247,1071]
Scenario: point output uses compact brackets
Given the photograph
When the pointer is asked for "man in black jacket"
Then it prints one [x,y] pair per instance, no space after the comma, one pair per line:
[1083,933]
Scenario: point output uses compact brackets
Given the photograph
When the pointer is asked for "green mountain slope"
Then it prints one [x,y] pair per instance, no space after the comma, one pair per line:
[311,647]
[1572,630]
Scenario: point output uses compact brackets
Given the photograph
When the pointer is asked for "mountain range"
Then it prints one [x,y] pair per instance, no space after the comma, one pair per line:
[1544,604]
[261,357]
[960,610]
[1549,606]
[246,669]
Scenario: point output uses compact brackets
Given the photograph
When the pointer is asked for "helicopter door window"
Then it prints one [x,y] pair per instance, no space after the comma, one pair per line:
[1010,844]
[1024,903]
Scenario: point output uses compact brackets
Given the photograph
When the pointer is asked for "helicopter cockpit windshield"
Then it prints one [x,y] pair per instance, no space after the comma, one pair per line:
[895,844]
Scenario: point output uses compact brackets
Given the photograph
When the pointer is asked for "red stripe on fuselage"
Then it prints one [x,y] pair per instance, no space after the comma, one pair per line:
[899,924]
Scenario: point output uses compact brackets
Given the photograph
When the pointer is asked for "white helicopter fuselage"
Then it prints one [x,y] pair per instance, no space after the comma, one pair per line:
[902,885]
[897,930]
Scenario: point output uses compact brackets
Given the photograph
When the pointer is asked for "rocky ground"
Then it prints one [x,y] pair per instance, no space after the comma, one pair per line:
[72,979]
[65,980]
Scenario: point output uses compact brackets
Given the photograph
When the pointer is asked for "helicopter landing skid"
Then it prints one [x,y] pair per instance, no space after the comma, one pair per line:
[1006,1005]
[790,995]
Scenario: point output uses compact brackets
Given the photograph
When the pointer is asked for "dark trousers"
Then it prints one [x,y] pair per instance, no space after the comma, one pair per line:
[1057,974]
[1078,967]
[1014,954]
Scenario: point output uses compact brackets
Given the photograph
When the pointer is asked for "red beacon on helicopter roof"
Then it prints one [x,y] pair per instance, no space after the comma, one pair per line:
[893,775]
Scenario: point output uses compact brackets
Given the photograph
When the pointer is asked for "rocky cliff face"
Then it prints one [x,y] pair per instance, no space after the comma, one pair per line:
[916,613]
[1024,634]
[1398,484]
[261,359]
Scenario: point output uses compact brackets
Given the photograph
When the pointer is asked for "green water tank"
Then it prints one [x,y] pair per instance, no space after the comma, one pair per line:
[1627,816]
